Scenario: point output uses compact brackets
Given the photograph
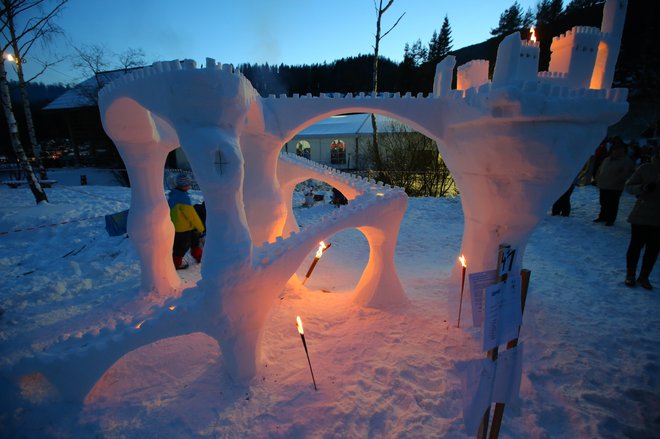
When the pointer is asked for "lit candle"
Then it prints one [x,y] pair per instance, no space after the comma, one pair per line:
[460,305]
[302,336]
[319,253]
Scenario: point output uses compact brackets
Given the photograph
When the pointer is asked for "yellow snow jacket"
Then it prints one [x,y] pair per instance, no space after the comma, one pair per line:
[182,213]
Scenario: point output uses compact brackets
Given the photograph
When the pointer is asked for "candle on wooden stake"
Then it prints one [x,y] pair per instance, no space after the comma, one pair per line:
[460,305]
[319,253]
[302,337]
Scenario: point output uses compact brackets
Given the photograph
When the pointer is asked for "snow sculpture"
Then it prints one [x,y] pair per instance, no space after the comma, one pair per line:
[513,146]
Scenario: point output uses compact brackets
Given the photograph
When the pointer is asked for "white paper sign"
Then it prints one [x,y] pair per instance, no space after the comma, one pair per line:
[511,313]
[484,381]
[508,374]
[477,378]
[502,313]
[478,283]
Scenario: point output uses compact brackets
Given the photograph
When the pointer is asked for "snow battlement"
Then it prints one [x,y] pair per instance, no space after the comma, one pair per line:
[581,57]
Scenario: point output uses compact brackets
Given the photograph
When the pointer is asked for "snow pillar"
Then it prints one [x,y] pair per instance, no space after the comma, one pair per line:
[149,225]
[262,189]
[379,286]
[144,141]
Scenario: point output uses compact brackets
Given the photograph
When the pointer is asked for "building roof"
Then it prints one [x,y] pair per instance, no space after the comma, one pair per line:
[84,94]
[348,124]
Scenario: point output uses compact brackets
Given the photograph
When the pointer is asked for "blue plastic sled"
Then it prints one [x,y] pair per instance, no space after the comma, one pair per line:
[115,224]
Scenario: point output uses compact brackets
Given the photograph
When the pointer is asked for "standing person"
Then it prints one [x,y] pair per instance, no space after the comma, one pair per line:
[644,221]
[611,178]
[602,151]
[187,224]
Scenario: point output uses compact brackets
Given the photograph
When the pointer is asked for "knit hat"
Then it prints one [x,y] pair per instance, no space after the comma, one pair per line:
[183,180]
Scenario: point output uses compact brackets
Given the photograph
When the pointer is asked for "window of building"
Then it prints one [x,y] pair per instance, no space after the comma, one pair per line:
[337,152]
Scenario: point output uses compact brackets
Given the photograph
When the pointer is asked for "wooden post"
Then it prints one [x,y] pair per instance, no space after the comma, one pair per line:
[499,407]
[492,353]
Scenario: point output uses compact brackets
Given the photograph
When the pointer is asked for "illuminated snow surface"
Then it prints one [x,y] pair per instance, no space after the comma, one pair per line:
[591,364]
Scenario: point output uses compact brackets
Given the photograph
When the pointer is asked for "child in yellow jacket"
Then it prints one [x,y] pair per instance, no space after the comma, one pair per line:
[187,224]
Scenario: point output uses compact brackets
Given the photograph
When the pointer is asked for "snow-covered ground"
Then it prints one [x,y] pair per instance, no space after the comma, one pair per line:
[592,346]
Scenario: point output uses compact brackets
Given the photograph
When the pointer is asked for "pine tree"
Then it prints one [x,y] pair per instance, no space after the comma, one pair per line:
[511,20]
[440,44]
[548,11]
[528,19]
[433,54]
[581,4]
[444,40]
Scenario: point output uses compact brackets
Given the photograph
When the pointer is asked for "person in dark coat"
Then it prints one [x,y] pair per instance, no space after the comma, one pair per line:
[611,178]
[187,224]
[644,222]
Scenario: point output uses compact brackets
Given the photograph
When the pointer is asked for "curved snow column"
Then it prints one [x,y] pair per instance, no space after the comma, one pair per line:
[379,286]
[261,189]
[144,141]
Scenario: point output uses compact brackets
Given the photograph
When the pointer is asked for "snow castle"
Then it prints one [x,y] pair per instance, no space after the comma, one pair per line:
[513,145]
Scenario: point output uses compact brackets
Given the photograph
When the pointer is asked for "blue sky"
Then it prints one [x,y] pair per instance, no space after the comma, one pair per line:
[275,31]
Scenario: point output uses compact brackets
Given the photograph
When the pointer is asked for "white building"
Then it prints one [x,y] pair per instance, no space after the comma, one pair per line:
[339,141]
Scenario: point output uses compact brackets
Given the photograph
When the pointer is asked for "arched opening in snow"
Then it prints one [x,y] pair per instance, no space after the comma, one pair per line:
[340,267]
[147,375]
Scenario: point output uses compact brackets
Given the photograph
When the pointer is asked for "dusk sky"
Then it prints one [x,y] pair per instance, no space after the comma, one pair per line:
[292,32]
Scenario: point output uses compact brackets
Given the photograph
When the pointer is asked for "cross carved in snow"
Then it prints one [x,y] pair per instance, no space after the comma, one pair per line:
[219,161]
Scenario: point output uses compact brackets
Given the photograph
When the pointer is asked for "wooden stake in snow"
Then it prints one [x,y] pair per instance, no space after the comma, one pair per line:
[505,263]
[502,272]
[499,407]
[302,336]
[460,304]
[319,253]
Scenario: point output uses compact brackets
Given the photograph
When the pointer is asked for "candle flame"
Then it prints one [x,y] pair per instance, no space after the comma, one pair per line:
[532,38]
[463,261]
[319,252]
[299,325]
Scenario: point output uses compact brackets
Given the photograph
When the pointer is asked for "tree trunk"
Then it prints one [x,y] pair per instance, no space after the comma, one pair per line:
[375,151]
[15,139]
[36,148]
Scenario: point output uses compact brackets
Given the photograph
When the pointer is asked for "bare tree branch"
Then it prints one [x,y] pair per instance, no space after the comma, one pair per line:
[393,26]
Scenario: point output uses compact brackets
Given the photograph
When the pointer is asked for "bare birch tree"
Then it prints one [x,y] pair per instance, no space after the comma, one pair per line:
[380,11]
[36,25]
